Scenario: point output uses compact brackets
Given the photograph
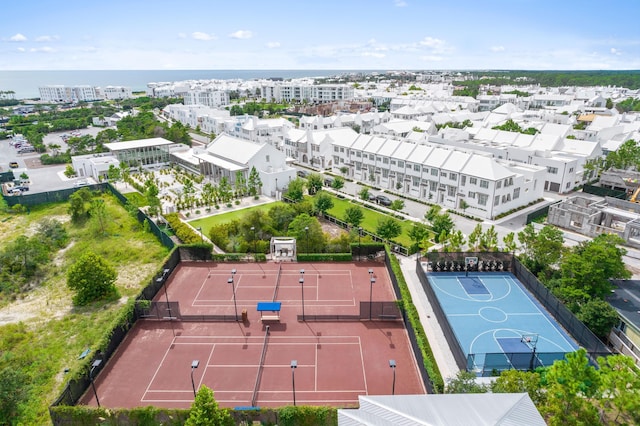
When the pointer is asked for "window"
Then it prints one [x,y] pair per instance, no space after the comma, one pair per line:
[408,165]
[358,154]
[496,200]
[433,186]
[335,149]
[358,165]
[552,170]
[341,149]
[400,163]
[443,173]
[472,195]
[570,169]
[453,176]
[473,181]
[416,167]
[393,162]
[267,158]
[516,193]
[484,183]
[463,180]
[385,173]
[499,184]
[434,172]
[415,181]
[451,191]
[568,185]
[482,199]
[385,160]
[378,159]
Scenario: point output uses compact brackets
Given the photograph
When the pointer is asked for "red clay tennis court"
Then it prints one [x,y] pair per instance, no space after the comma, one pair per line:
[243,363]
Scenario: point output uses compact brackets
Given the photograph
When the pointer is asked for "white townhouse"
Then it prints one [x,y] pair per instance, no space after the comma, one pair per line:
[250,127]
[210,120]
[440,174]
[226,156]
[314,148]
[400,129]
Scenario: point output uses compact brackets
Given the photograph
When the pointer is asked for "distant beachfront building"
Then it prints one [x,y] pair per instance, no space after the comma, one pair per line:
[306,91]
[61,93]
[207,97]
[7,94]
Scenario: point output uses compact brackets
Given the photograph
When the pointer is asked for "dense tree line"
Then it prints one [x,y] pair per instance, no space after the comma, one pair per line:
[258,108]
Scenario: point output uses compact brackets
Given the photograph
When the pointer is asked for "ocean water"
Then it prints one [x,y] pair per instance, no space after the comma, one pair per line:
[25,83]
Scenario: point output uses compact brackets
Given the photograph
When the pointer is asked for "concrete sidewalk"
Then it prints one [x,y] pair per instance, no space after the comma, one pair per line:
[441,351]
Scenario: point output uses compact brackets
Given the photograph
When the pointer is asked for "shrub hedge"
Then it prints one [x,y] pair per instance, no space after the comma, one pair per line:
[183,231]
[325,257]
[412,314]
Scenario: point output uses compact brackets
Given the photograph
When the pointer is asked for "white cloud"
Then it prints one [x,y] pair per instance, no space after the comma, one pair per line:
[497,48]
[198,35]
[400,3]
[615,51]
[46,38]
[18,37]
[241,35]
[22,49]
[273,44]
[431,42]
[45,49]
[373,54]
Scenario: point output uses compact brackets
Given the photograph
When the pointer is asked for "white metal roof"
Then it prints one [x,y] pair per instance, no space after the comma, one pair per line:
[138,143]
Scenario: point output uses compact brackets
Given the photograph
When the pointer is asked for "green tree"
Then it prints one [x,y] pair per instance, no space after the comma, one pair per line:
[509,242]
[92,278]
[338,183]
[474,237]
[323,202]
[311,239]
[364,194]
[388,228]
[69,171]
[14,388]
[205,411]
[353,215]
[78,208]
[542,250]
[295,191]
[419,233]
[240,184]
[516,381]
[489,239]
[456,241]
[114,173]
[98,212]
[591,264]
[620,389]
[440,224]
[465,382]
[570,383]
[224,189]
[281,216]
[599,316]
[314,183]
[52,233]
[397,205]
[254,183]
[433,211]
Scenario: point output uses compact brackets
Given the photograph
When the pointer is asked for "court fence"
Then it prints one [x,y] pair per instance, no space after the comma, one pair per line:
[380,311]
[170,311]
[442,262]
[491,364]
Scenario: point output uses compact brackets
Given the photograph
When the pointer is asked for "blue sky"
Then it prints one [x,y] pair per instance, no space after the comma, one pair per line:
[328,34]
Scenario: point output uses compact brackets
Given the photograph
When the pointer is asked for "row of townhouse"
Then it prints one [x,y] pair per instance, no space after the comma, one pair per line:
[476,183]
[207,97]
[300,91]
[61,93]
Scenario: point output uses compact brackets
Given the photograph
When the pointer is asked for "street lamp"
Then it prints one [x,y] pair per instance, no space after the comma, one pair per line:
[301,281]
[95,365]
[253,230]
[294,365]
[306,230]
[392,364]
[233,287]
[371,280]
[194,364]
[359,235]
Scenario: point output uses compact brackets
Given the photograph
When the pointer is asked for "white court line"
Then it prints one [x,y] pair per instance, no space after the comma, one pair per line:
[158,368]
[364,375]
[199,291]
[315,379]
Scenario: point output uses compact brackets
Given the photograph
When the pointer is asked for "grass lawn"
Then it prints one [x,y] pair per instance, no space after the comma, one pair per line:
[52,333]
[370,220]
[207,222]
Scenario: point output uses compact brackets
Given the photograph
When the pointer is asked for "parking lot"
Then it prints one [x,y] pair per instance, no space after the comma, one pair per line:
[41,178]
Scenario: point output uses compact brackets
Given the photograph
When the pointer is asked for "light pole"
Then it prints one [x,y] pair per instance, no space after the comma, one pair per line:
[359,249]
[294,365]
[371,281]
[233,287]
[306,230]
[253,230]
[95,365]
[194,364]
[301,281]
[392,364]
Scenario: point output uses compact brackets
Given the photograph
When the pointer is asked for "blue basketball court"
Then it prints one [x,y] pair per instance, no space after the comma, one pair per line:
[497,322]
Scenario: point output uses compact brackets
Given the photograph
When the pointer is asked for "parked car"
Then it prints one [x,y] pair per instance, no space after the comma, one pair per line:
[303,173]
[328,181]
[26,149]
[381,199]
[14,165]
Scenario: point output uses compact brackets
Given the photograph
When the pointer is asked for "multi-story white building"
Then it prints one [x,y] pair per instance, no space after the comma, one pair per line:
[210,120]
[478,184]
[61,93]
[314,148]
[116,92]
[208,97]
[306,91]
